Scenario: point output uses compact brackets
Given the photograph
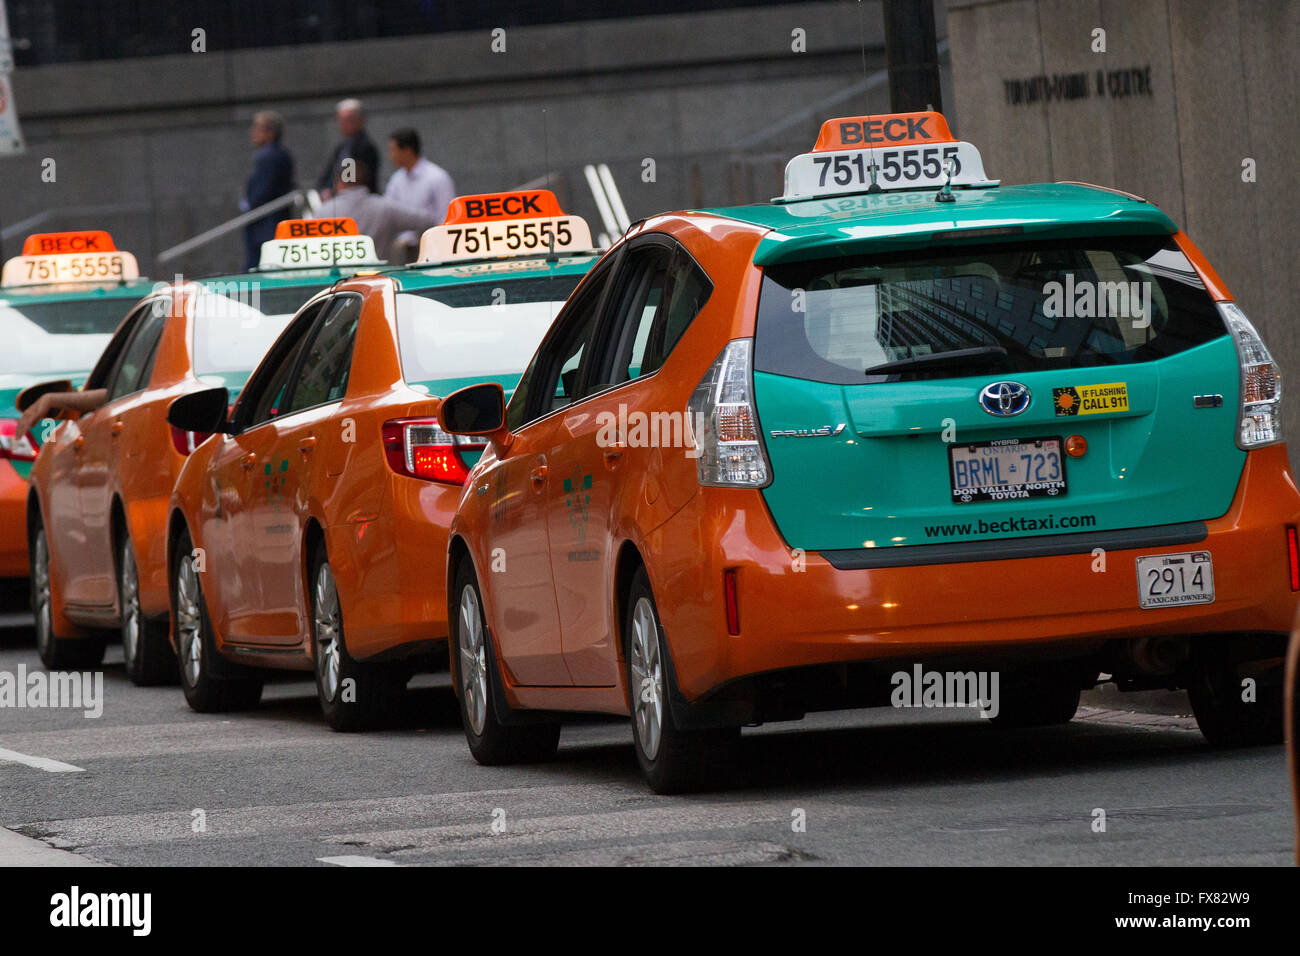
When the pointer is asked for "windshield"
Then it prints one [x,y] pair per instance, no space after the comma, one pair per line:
[40,338]
[1005,308]
[235,326]
[478,331]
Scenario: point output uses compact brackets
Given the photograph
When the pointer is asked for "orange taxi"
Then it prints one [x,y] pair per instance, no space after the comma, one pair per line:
[310,532]
[902,424]
[97,506]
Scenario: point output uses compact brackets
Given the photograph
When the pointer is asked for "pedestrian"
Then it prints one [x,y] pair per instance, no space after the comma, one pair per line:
[271,178]
[355,145]
[417,181]
[377,217]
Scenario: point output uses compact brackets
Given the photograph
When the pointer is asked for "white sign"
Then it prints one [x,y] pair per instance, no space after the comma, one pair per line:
[503,238]
[837,172]
[70,267]
[318,252]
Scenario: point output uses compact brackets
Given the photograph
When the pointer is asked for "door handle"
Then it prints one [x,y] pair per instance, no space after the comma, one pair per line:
[614,451]
[538,474]
[248,461]
[116,428]
[79,442]
[306,444]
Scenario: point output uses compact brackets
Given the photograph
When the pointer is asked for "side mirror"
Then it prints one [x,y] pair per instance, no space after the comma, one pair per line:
[474,410]
[203,411]
[28,396]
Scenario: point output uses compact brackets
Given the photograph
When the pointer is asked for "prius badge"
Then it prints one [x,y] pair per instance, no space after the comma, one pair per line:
[826,431]
[1005,398]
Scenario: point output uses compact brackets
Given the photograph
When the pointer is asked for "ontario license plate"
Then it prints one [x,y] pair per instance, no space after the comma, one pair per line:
[1168,580]
[1006,470]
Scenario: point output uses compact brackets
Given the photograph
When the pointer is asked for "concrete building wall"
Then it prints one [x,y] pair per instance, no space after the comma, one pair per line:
[718,100]
[1218,87]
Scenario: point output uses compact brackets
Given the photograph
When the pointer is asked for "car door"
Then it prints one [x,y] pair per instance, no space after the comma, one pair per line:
[101,439]
[63,489]
[240,485]
[599,443]
[279,510]
[523,613]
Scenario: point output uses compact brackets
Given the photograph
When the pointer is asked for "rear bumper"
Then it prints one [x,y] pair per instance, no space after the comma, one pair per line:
[801,610]
[13,523]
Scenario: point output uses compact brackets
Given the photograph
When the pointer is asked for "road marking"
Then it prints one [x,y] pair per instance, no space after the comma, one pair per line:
[355,861]
[40,763]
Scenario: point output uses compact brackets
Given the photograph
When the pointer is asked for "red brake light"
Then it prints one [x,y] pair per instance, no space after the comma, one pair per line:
[1293,557]
[185,442]
[419,448]
[22,449]
[732,600]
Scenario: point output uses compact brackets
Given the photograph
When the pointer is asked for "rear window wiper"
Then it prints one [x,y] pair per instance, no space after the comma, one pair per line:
[976,356]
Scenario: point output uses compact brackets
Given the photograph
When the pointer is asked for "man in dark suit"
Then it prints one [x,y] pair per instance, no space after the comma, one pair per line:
[356,146]
[271,178]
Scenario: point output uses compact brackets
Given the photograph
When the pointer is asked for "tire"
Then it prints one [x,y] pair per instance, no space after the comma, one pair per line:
[197,660]
[1053,701]
[478,689]
[1215,692]
[57,653]
[149,657]
[672,760]
[353,696]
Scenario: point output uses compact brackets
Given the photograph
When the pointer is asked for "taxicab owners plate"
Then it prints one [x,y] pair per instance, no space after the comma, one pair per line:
[317,251]
[1006,470]
[517,237]
[1172,580]
[890,167]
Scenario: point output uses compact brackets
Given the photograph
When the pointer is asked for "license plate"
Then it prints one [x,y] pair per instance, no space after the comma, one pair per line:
[1009,469]
[1169,580]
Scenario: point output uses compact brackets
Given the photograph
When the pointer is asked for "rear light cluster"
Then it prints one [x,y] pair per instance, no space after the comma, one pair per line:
[185,442]
[724,425]
[419,448]
[16,449]
[1260,420]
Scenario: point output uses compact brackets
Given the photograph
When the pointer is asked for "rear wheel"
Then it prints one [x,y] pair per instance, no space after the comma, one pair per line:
[57,653]
[149,658]
[672,760]
[353,696]
[491,741]
[205,692]
[1216,690]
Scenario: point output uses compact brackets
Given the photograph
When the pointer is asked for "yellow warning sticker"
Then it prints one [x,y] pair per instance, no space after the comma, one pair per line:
[1090,399]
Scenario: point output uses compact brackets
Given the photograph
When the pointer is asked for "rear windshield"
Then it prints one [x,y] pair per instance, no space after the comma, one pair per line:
[478,330]
[236,324]
[44,337]
[1000,308]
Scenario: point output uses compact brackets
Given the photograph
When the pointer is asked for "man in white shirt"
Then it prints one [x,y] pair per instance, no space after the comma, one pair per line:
[378,217]
[417,182]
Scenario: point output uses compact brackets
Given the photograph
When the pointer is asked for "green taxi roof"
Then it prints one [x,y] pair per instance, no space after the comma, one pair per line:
[431,276]
[844,225]
[68,292]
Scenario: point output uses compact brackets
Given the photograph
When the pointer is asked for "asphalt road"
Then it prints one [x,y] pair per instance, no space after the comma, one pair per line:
[276,786]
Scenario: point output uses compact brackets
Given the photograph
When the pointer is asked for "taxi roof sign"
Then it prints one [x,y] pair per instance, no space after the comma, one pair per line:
[884,152]
[887,129]
[316,228]
[55,243]
[489,207]
[504,226]
[85,257]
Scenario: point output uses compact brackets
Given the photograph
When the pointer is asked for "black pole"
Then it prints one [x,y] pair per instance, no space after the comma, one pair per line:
[912,55]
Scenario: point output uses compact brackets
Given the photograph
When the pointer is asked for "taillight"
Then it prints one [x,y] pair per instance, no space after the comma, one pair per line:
[732,601]
[16,449]
[185,442]
[419,448]
[724,425]
[1293,557]
[1260,411]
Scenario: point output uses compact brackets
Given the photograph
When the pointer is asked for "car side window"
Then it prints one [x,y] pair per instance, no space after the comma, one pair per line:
[553,378]
[269,393]
[102,374]
[636,307]
[688,291]
[327,362]
[137,358]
